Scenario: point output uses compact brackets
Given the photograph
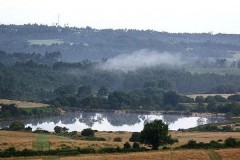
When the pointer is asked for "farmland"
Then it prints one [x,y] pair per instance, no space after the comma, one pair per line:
[23,104]
[22,140]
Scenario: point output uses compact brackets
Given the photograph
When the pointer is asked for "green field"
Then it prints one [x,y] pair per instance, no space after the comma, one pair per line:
[47,42]
[41,143]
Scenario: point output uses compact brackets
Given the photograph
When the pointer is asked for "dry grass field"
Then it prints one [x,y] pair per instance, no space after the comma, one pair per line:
[184,137]
[57,142]
[157,155]
[23,104]
[21,140]
[229,154]
[222,154]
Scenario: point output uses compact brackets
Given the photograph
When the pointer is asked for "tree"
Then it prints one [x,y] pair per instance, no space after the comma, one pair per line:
[102,92]
[16,126]
[135,137]
[87,132]
[126,145]
[58,129]
[84,91]
[155,134]
[170,98]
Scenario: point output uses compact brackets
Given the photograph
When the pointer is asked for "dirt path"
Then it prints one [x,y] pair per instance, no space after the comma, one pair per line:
[213,155]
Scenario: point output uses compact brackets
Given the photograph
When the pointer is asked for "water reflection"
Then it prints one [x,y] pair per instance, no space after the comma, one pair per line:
[109,121]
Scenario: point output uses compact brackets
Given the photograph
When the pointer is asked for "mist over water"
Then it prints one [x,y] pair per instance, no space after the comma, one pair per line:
[142,59]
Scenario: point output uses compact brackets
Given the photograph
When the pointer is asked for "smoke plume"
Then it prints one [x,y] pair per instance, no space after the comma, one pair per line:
[141,59]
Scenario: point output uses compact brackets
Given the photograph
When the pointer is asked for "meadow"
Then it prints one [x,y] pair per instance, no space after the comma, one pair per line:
[22,140]
[23,104]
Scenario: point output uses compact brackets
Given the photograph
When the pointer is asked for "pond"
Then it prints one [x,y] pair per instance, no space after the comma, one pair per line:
[110,121]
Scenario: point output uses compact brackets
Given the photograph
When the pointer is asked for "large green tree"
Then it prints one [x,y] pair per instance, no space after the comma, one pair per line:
[155,134]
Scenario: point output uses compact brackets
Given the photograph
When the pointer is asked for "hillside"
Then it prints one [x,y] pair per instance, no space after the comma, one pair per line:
[77,44]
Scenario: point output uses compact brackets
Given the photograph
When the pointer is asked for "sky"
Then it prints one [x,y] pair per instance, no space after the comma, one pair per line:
[195,16]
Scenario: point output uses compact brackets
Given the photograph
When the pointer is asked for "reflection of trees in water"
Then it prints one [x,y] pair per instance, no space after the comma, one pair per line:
[145,119]
[89,118]
[119,119]
[167,118]
[70,118]
[215,119]
[201,121]
[36,121]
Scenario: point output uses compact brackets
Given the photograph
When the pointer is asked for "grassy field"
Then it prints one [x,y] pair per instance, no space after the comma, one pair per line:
[222,154]
[47,42]
[21,140]
[41,143]
[23,104]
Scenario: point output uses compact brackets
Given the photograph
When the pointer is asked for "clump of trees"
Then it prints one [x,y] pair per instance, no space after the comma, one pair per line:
[58,129]
[87,132]
[11,111]
[228,143]
[154,134]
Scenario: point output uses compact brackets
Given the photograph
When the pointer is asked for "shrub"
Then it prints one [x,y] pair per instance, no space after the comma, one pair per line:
[87,132]
[41,131]
[29,129]
[92,138]
[117,139]
[192,144]
[136,145]
[231,142]
[109,150]
[126,145]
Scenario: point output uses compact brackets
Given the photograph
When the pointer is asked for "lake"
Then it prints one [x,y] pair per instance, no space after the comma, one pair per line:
[110,121]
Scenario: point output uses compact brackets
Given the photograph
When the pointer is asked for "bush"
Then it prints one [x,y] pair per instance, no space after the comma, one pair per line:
[136,145]
[87,132]
[117,139]
[41,131]
[127,145]
[231,142]
[192,144]
[29,129]
[92,138]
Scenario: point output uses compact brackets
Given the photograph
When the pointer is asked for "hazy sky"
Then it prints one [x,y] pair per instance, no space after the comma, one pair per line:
[162,15]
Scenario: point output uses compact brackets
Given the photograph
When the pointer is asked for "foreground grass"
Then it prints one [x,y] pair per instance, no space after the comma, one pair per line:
[21,140]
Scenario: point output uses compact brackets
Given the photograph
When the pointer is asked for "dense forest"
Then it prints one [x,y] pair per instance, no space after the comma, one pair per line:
[114,69]
[39,77]
[77,44]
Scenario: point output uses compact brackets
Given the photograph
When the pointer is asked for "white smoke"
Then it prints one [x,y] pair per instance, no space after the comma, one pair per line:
[140,59]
